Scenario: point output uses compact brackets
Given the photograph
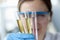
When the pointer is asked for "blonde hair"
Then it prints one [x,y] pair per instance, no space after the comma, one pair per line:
[20,3]
[47,2]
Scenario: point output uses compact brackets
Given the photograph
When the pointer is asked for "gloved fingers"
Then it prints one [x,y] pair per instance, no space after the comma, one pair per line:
[22,35]
[29,39]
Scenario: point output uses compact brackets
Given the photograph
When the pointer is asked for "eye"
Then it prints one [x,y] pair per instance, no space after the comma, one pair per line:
[41,15]
[30,15]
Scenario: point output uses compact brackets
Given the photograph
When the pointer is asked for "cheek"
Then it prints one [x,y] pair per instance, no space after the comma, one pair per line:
[42,25]
[42,22]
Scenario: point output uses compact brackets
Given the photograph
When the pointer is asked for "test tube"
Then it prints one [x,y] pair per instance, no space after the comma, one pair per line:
[20,26]
[19,22]
[28,21]
[34,18]
[36,26]
[23,20]
[32,24]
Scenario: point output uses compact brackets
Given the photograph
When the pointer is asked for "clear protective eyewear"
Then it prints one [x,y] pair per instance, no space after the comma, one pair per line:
[27,21]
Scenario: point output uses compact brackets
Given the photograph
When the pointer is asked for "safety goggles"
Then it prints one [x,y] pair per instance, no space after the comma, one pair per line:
[33,13]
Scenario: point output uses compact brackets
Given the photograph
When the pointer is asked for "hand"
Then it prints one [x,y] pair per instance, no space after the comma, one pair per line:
[20,36]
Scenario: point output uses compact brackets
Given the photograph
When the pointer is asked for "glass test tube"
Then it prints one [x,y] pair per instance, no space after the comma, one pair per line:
[20,25]
[36,26]
[28,21]
[23,20]
[34,18]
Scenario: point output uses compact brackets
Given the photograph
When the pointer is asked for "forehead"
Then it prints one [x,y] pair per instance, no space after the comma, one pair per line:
[34,6]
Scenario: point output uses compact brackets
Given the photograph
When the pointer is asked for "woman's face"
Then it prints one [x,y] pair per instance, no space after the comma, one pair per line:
[42,20]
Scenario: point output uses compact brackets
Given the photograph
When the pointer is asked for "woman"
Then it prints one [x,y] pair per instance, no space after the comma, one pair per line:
[35,5]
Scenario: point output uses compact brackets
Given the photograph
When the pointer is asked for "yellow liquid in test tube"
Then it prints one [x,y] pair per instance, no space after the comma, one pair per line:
[29,25]
[21,28]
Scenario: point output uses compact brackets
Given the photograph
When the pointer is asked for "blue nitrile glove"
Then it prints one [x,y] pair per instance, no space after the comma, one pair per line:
[20,36]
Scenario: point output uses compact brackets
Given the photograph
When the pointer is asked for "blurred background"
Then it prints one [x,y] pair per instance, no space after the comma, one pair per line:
[8,10]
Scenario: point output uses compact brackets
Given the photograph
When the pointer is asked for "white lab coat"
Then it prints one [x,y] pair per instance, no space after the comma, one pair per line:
[51,33]
[48,36]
